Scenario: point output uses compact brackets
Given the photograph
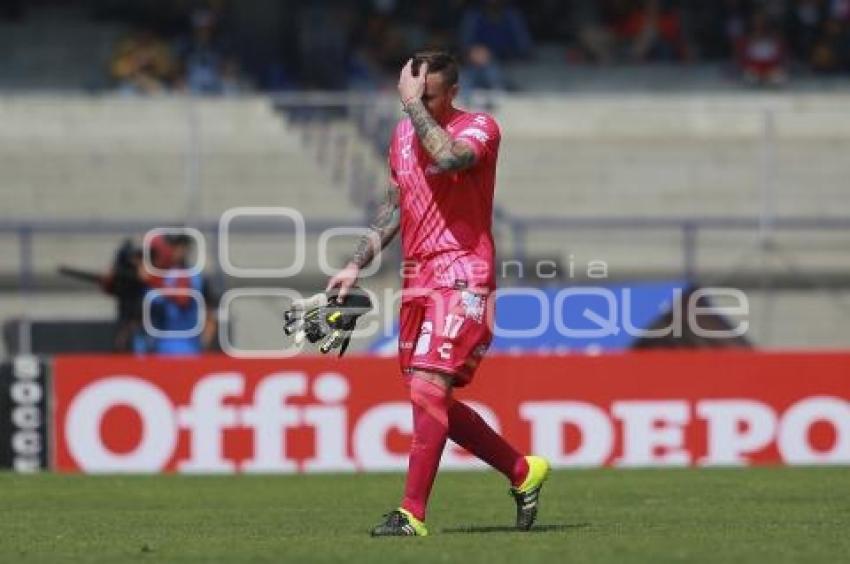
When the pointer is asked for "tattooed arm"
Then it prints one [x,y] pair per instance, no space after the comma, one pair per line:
[381,231]
[449,154]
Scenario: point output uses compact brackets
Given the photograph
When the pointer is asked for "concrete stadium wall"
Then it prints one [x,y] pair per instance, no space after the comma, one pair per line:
[744,155]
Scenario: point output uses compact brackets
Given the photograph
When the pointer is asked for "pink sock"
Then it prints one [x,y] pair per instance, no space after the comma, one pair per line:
[430,428]
[470,431]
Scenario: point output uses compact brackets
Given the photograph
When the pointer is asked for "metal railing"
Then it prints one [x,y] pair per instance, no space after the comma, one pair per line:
[27,230]
[518,228]
[688,228]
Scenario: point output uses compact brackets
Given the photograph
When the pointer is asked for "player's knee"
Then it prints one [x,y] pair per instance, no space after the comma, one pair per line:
[442,381]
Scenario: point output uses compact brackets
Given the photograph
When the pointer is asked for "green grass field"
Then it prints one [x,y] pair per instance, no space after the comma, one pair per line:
[728,515]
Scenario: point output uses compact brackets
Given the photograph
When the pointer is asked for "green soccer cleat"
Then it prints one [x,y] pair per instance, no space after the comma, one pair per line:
[527,495]
[400,523]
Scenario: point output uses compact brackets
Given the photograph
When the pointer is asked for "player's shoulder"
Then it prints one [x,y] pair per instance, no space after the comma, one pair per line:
[480,126]
[482,121]
[482,117]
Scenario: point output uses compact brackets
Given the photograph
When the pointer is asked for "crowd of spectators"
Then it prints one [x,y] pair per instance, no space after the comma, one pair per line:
[198,59]
[762,41]
[361,44]
[768,39]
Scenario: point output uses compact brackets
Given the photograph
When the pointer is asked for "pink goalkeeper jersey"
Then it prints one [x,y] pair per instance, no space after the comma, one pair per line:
[446,217]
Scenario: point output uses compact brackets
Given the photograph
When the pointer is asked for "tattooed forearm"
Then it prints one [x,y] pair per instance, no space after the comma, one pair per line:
[434,138]
[381,231]
[447,153]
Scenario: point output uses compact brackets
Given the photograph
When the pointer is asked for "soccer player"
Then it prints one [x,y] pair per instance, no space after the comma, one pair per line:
[442,168]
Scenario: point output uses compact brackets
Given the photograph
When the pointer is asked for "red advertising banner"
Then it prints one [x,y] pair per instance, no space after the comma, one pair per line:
[219,414]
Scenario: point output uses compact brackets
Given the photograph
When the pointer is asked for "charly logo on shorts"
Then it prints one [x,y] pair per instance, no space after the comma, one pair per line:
[473,305]
[423,343]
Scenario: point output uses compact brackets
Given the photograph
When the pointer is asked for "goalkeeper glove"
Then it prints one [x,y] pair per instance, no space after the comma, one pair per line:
[323,317]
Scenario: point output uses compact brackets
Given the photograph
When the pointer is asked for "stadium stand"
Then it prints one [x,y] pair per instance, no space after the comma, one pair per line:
[678,156]
[128,157]
[48,62]
[650,159]
[94,160]
[123,159]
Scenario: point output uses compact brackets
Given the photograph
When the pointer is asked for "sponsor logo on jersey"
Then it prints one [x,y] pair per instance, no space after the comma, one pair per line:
[473,305]
[478,134]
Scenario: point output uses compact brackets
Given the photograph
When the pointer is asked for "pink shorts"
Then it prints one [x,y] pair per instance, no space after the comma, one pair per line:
[447,331]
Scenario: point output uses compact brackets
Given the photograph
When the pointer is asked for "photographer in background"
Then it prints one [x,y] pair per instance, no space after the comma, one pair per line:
[128,281]
[131,283]
[179,312]
[125,283]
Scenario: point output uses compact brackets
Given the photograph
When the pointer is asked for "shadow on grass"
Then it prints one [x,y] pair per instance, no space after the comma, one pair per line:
[509,529]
